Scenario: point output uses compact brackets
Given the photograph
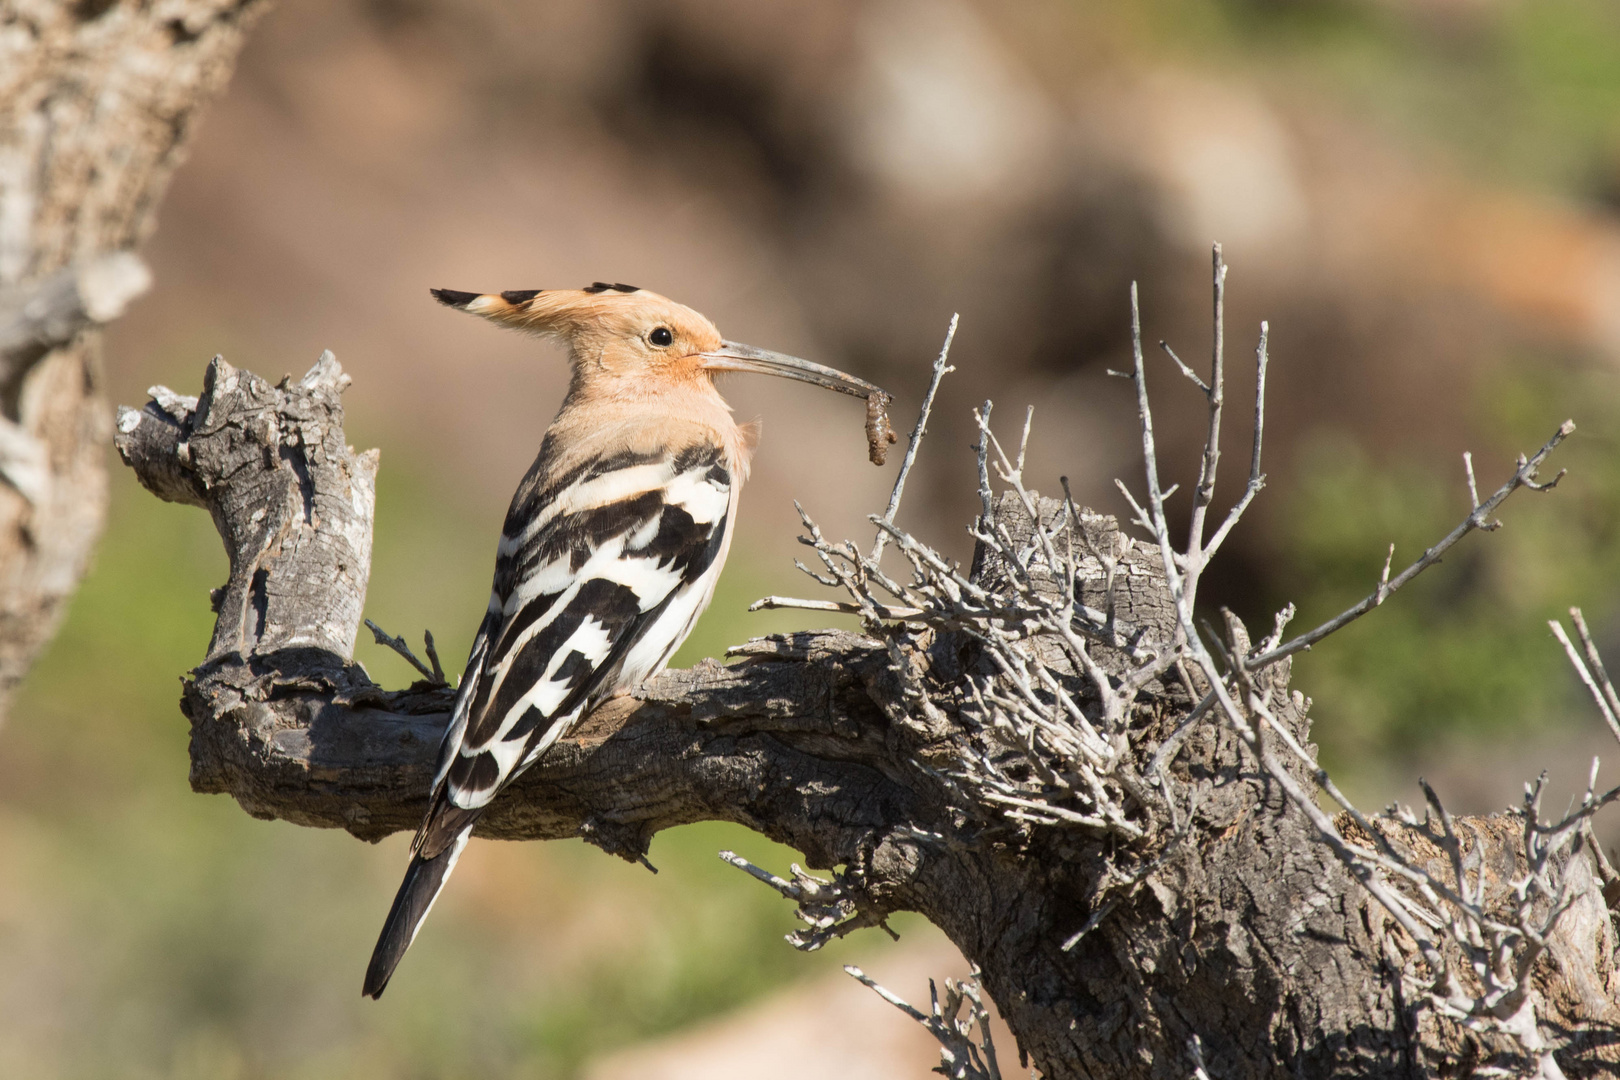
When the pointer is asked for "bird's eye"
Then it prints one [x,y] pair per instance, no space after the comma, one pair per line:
[661,336]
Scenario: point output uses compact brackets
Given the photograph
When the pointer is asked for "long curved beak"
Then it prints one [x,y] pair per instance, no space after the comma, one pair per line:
[731,356]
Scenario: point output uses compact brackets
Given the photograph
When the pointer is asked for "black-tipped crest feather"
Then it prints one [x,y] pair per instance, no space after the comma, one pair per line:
[452,298]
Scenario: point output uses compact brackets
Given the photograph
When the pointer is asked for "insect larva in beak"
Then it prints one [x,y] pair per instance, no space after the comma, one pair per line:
[879,434]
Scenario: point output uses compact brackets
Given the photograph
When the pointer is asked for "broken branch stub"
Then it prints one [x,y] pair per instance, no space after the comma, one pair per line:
[292,502]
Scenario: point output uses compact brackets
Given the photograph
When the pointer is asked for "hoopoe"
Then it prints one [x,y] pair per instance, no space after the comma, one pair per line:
[609,553]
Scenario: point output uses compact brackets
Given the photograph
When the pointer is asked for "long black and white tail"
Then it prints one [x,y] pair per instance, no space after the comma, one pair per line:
[426,875]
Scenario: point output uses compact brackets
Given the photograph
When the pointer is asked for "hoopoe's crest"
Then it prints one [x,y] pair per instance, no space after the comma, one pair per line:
[610,550]
[617,332]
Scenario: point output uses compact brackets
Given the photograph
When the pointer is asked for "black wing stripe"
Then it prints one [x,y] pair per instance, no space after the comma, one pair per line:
[580,534]
[679,541]
[532,502]
[479,772]
[609,603]
[523,618]
[609,667]
[699,454]
[454,734]
[534,499]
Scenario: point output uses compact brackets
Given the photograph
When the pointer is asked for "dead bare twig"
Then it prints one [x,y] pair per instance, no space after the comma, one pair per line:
[962,1057]
[433,675]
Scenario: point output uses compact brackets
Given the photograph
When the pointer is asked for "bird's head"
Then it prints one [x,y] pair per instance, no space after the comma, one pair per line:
[622,338]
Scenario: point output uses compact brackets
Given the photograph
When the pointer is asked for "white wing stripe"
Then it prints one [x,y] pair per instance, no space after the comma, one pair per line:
[598,491]
[591,640]
[699,496]
[650,582]
[513,648]
[555,576]
[648,655]
[642,576]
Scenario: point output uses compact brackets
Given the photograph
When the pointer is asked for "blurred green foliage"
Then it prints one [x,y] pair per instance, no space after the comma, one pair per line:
[1522,91]
[1465,646]
[149,932]
[1516,92]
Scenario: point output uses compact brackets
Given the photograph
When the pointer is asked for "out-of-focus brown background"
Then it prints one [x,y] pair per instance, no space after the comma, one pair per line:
[1423,198]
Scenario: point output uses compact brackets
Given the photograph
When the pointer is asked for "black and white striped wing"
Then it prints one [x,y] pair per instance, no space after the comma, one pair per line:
[598,580]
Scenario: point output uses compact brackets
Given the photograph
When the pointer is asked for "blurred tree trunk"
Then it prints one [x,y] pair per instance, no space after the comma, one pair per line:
[98,99]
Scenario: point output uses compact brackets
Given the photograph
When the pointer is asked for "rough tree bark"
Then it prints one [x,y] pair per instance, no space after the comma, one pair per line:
[97,103]
[1236,924]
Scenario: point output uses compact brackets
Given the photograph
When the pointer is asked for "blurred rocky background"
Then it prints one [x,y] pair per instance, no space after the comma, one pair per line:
[1423,198]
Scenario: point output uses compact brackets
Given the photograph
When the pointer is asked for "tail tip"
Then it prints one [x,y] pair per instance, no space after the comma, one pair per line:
[423,879]
[378,973]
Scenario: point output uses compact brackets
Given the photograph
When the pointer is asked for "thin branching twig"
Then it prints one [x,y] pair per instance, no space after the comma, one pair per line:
[962,1057]
[434,675]
[917,433]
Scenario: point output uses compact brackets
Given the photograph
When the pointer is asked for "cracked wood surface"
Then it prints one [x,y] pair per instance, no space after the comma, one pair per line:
[1248,932]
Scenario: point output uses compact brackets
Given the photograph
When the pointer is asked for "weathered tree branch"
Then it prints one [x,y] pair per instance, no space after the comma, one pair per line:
[97,104]
[1040,755]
